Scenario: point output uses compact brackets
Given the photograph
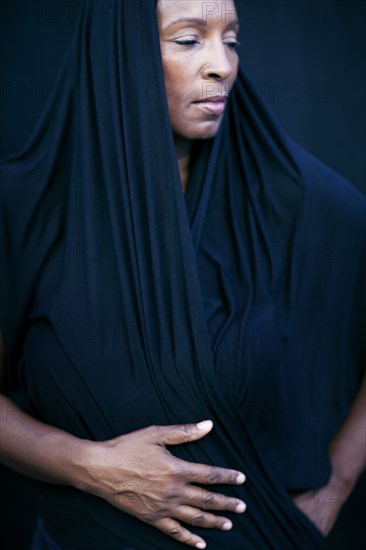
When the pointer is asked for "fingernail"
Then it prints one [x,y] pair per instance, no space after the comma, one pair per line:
[227,525]
[203,426]
[240,478]
[240,507]
[201,545]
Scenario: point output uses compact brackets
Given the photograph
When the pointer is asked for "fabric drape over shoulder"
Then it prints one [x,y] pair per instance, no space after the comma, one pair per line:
[127,303]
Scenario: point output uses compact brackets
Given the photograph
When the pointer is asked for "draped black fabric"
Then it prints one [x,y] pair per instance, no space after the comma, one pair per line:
[127,303]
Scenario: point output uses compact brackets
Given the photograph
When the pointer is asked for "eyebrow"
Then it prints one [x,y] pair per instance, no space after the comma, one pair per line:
[232,24]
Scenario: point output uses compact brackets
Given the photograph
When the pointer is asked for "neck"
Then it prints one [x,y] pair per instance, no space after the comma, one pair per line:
[183,148]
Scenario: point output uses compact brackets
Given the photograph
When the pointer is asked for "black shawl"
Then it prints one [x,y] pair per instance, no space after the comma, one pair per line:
[127,303]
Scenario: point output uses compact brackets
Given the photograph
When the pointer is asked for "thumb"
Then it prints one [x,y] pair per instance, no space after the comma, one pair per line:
[182,433]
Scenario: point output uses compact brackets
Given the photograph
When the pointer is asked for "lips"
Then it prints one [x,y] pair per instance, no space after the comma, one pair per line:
[213,99]
[214,105]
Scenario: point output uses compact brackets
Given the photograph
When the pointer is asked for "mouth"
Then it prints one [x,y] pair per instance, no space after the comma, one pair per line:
[213,105]
[213,99]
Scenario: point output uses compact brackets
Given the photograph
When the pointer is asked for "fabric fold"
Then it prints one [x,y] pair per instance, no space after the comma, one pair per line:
[126,303]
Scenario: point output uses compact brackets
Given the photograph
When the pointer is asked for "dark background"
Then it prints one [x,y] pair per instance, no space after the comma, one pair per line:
[307,59]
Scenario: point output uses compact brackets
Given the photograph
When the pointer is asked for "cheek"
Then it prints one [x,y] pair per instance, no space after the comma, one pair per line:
[175,76]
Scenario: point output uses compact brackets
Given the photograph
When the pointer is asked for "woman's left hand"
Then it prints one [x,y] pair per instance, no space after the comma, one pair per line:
[322,506]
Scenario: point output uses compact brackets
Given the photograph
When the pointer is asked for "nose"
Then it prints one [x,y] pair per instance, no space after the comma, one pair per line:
[217,65]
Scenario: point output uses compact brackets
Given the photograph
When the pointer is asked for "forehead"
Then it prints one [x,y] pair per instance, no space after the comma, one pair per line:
[211,12]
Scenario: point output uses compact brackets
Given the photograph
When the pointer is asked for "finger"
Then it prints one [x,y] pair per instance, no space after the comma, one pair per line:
[209,475]
[174,529]
[179,433]
[207,500]
[198,518]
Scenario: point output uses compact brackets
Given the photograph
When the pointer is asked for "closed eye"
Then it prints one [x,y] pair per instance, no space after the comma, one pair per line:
[190,43]
[186,42]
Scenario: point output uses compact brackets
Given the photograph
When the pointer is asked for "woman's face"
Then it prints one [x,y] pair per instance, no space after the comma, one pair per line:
[200,61]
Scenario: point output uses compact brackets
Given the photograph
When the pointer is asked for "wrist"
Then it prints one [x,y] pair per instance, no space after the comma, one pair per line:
[91,469]
[345,462]
[347,449]
[342,482]
[83,460]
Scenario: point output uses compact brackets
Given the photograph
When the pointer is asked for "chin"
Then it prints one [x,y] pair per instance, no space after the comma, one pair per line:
[209,134]
[205,133]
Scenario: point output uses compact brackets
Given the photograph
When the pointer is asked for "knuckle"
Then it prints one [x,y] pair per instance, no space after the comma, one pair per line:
[148,517]
[209,499]
[233,477]
[171,493]
[186,429]
[188,538]
[154,429]
[218,522]
[232,505]
[213,476]
[198,520]
[175,532]
[175,469]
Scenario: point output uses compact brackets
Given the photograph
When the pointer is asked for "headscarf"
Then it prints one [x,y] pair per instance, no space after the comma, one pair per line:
[127,303]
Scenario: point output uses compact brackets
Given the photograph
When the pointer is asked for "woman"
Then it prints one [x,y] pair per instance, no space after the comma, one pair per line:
[131,310]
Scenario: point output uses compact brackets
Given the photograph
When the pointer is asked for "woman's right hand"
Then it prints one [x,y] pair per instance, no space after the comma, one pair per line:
[137,474]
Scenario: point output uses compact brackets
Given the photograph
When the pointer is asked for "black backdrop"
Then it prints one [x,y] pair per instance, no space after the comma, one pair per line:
[307,58]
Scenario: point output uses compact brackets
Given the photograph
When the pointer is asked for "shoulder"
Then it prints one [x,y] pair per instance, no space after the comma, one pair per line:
[31,197]
[332,200]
